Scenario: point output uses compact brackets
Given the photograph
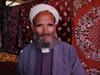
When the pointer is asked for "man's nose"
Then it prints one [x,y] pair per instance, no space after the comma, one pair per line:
[45,30]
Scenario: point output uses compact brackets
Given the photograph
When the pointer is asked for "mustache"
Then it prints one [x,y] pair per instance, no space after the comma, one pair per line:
[45,34]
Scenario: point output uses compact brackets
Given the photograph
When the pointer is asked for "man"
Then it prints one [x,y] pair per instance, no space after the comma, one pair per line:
[46,55]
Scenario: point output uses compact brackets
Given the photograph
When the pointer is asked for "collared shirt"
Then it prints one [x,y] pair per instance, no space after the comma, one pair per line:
[44,63]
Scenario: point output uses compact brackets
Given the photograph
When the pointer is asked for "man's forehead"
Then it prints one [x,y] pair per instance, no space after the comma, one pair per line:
[47,13]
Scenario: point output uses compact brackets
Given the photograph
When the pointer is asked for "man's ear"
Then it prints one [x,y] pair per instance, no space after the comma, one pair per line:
[32,26]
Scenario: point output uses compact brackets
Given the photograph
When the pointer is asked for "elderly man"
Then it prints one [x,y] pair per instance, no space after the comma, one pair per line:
[46,55]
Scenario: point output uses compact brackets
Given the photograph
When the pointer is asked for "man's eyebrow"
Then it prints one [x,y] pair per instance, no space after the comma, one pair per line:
[38,24]
[50,24]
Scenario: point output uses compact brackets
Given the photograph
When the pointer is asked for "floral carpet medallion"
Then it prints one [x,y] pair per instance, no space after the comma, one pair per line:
[86,37]
[87,34]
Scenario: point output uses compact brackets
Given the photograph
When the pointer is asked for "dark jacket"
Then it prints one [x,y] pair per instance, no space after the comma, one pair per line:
[65,60]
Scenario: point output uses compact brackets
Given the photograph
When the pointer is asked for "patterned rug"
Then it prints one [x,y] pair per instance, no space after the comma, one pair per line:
[86,36]
[8,63]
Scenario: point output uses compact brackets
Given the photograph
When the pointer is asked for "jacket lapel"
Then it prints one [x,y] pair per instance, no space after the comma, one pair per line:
[32,61]
[59,67]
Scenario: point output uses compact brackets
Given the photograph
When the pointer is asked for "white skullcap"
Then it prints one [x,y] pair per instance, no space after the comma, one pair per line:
[43,7]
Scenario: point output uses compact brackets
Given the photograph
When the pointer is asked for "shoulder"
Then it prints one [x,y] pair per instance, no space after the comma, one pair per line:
[67,48]
[28,48]
[27,51]
[65,45]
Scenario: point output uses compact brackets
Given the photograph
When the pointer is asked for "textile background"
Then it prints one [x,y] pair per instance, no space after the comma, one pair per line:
[86,34]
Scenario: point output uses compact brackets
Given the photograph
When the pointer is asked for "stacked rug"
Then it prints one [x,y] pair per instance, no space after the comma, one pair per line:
[8,63]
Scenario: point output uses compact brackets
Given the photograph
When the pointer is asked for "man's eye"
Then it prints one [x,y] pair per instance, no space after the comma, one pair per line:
[38,25]
[50,24]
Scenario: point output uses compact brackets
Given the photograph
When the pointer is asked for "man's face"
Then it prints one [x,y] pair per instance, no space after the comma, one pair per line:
[45,30]
[44,24]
